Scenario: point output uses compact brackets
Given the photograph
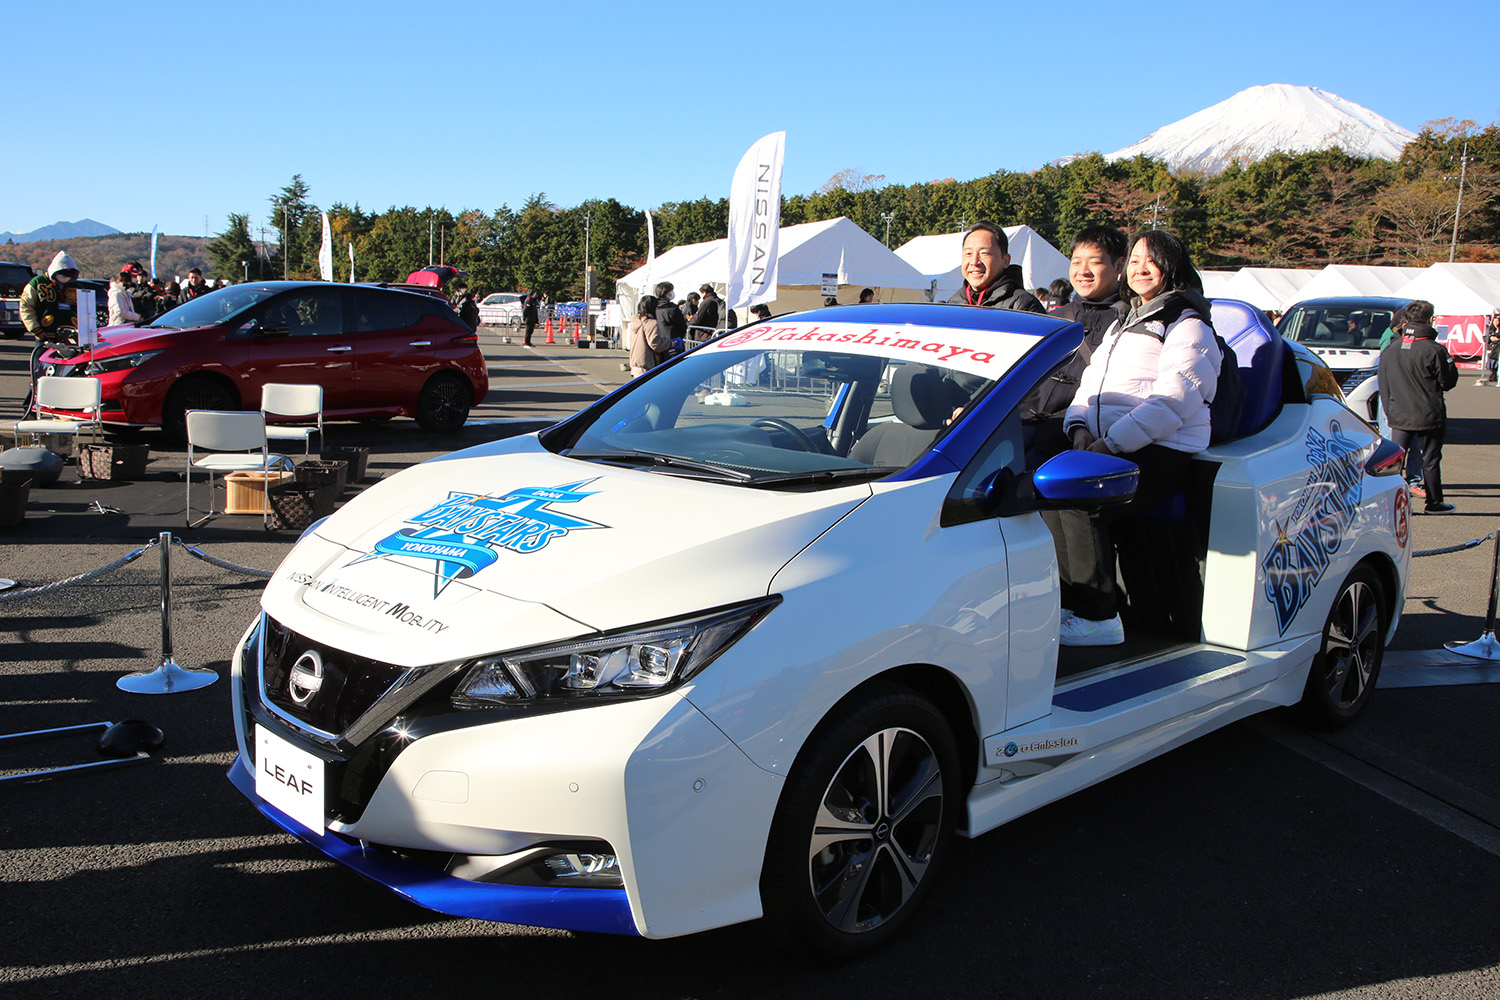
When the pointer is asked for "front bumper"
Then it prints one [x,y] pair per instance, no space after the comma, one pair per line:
[650,781]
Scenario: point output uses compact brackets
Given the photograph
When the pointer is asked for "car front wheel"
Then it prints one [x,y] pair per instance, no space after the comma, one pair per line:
[443,405]
[862,826]
[1347,666]
[194,393]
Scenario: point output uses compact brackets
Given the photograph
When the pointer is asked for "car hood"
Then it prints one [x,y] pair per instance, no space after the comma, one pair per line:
[510,545]
[128,339]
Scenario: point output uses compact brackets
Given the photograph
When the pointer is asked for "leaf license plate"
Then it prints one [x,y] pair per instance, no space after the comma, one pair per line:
[289,778]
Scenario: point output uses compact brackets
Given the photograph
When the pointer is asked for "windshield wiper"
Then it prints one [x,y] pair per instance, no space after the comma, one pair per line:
[662,461]
[827,475]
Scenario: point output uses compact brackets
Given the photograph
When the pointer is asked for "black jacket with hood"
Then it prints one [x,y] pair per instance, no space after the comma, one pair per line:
[1415,371]
[1005,292]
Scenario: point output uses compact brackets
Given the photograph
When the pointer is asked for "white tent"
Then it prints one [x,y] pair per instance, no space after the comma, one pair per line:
[807,252]
[1457,289]
[939,258]
[1268,287]
[1216,284]
[1353,279]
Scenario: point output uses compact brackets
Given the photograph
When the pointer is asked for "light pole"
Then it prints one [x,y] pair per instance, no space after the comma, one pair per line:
[888,216]
[1463,171]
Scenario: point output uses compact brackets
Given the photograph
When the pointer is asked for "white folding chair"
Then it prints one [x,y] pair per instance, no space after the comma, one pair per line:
[228,435]
[281,400]
[53,393]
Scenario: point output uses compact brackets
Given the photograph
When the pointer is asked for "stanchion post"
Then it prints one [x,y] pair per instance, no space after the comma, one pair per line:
[168,678]
[1486,647]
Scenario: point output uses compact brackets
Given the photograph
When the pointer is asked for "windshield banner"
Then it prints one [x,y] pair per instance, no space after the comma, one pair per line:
[979,352]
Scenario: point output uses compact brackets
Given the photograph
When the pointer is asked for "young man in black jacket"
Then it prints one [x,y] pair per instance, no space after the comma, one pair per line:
[1415,371]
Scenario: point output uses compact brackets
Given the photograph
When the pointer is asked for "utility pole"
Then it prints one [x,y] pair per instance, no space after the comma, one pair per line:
[888,216]
[284,262]
[1463,171]
[1155,210]
[429,239]
[442,244]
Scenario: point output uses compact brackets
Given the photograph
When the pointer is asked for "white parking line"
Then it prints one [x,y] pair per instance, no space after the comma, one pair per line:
[1456,821]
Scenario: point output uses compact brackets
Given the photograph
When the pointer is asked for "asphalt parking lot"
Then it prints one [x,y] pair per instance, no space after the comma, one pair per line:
[1262,861]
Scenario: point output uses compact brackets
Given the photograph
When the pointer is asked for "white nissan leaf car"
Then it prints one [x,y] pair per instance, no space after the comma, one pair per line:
[758,634]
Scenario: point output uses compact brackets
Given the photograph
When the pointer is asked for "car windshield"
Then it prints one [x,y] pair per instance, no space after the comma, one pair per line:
[1346,326]
[215,307]
[799,404]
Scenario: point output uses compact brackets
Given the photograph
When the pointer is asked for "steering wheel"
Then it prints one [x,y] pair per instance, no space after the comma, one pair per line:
[802,440]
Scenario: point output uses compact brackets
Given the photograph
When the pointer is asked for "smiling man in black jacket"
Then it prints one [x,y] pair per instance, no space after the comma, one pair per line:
[1415,371]
[990,279]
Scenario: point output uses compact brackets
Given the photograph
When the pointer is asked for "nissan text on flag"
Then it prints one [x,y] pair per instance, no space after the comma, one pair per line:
[757,634]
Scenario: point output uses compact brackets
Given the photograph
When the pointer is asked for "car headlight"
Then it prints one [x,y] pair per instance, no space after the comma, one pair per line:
[120,363]
[631,663]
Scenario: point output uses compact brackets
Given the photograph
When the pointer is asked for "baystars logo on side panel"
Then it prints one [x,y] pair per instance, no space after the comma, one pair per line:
[463,534]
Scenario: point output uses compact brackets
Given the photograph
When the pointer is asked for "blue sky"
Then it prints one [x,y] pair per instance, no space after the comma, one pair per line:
[474,105]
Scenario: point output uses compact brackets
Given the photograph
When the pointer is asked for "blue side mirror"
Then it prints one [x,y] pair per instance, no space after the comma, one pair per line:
[1085,478]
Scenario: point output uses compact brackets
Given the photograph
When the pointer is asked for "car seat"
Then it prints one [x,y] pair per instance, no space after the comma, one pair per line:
[923,400]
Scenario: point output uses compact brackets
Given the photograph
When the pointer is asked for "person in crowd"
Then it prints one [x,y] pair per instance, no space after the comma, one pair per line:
[195,286]
[1059,294]
[760,313]
[529,315]
[867,296]
[170,295]
[468,310]
[990,279]
[1144,396]
[1491,347]
[45,311]
[669,316]
[1414,373]
[832,300]
[140,291]
[706,317]
[649,346]
[690,308]
[121,307]
[1095,270]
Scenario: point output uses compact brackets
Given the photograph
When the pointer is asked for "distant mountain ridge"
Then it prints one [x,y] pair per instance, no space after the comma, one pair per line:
[62,231]
[1261,120]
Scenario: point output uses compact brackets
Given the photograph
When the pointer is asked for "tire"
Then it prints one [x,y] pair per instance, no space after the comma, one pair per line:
[1345,670]
[196,392]
[443,405]
[878,858]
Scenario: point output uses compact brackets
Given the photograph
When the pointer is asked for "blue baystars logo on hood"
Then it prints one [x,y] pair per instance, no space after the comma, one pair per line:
[463,534]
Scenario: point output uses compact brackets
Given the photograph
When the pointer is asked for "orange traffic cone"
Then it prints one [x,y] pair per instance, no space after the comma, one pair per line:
[549,330]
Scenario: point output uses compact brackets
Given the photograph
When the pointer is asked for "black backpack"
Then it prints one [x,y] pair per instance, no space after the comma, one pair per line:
[1229,398]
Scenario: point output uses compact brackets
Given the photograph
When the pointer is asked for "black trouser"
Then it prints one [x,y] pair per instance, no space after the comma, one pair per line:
[1431,444]
[1085,553]
[530,328]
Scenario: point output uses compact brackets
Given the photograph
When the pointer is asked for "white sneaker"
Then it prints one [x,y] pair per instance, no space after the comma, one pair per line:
[1079,631]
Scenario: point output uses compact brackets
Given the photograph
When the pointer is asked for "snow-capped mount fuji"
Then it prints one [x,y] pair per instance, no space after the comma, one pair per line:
[1261,120]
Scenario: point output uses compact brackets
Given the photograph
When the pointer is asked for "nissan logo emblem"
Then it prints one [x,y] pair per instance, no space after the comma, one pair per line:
[306,677]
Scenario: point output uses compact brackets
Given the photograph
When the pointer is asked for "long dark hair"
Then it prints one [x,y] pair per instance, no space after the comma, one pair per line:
[647,306]
[1171,257]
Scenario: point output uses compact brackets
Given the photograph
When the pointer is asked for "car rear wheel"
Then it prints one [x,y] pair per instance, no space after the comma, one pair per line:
[865,819]
[196,392]
[443,405]
[1347,666]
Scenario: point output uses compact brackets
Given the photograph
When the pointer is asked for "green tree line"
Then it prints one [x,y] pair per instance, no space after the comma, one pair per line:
[1286,210]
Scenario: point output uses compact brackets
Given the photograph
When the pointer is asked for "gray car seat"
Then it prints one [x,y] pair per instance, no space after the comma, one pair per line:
[923,400]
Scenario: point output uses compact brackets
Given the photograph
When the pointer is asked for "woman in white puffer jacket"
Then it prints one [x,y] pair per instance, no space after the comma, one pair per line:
[1144,396]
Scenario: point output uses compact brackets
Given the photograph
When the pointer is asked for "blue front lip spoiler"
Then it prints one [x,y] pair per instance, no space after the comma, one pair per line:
[600,911]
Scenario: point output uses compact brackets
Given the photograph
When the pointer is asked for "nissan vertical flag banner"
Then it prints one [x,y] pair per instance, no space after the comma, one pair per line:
[351,263]
[325,252]
[755,222]
[153,251]
[650,248]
